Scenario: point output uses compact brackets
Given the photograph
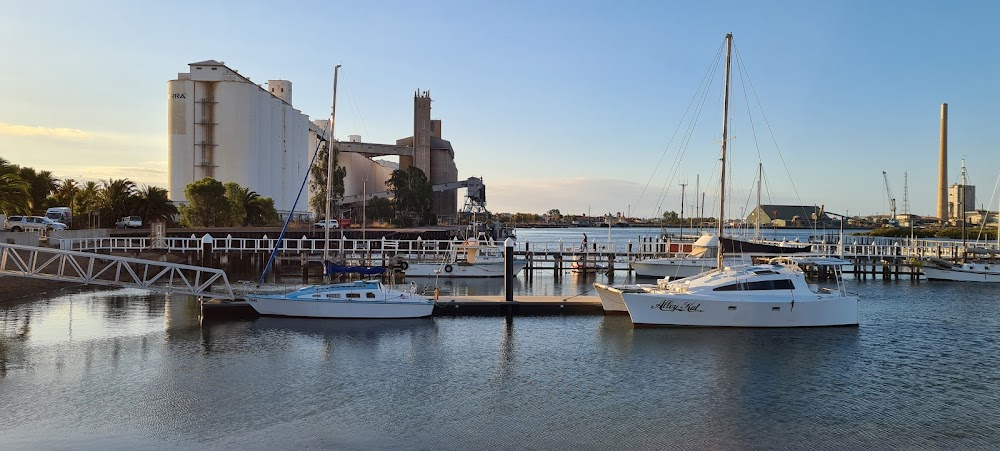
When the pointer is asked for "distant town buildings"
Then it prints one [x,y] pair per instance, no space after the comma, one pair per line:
[789,216]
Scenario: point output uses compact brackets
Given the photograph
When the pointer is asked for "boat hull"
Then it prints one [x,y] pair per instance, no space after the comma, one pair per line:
[611,298]
[283,306]
[971,273]
[691,310]
[490,269]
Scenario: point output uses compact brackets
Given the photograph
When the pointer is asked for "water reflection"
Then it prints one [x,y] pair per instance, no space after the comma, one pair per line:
[147,371]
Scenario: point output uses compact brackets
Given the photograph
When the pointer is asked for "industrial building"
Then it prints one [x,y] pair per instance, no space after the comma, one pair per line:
[223,125]
[425,149]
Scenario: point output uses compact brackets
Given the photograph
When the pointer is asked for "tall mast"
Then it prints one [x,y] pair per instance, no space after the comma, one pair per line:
[756,223]
[961,202]
[725,131]
[329,176]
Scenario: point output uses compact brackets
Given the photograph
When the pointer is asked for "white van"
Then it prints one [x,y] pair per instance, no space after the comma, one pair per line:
[60,214]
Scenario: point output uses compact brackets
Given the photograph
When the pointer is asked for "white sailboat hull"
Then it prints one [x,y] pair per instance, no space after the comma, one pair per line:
[283,306]
[698,310]
[965,273]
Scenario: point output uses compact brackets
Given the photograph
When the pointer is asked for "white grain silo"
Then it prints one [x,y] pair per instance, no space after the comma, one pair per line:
[224,126]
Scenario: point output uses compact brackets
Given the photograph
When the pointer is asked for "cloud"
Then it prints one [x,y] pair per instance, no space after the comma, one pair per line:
[152,173]
[49,132]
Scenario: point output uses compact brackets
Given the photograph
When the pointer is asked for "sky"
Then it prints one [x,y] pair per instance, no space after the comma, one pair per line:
[576,105]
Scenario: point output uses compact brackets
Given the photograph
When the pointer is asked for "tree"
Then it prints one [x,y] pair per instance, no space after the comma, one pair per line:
[64,194]
[40,185]
[153,204]
[204,197]
[261,212]
[14,195]
[237,198]
[116,200]
[317,181]
[86,202]
[379,209]
[412,193]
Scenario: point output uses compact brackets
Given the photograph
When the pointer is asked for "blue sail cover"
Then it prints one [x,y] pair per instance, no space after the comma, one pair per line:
[333,268]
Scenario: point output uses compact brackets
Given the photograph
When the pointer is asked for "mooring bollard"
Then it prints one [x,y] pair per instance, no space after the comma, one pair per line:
[508,269]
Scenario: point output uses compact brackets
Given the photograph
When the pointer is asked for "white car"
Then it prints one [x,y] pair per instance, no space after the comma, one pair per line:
[329,224]
[31,223]
[129,222]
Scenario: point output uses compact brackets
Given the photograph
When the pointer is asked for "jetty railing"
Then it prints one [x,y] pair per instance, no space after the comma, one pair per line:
[852,247]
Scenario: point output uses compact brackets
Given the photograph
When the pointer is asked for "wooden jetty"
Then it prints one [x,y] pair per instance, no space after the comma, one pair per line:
[450,306]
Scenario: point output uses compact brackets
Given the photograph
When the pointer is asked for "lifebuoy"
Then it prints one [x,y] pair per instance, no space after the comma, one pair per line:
[447,268]
[404,266]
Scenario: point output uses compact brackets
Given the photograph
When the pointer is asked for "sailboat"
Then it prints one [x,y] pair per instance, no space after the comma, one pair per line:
[775,294]
[979,264]
[358,299]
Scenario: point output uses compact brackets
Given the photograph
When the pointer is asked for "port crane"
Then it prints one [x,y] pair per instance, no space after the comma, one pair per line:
[893,222]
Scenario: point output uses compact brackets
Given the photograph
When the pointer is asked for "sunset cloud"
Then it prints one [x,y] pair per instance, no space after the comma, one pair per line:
[50,132]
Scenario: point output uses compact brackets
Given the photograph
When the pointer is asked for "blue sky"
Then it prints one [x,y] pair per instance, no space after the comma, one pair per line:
[556,104]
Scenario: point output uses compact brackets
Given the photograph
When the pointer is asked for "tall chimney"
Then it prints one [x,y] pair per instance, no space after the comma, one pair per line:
[942,204]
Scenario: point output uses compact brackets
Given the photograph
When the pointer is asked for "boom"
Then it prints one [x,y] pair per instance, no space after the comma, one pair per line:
[892,201]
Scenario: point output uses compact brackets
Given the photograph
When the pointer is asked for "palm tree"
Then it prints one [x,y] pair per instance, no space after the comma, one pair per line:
[65,193]
[153,204]
[40,185]
[87,201]
[117,199]
[14,196]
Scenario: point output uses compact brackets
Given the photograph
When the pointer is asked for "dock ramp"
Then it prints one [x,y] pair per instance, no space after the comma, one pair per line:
[108,270]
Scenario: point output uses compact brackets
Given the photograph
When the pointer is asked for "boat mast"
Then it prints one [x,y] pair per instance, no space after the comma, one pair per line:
[725,130]
[961,204]
[329,177]
[756,224]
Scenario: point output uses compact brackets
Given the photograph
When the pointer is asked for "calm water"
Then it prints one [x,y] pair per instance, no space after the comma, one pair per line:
[124,369]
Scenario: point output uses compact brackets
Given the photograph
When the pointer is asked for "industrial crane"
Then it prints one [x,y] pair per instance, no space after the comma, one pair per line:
[893,222]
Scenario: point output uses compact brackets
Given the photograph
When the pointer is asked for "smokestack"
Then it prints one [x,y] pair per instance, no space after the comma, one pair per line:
[942,206]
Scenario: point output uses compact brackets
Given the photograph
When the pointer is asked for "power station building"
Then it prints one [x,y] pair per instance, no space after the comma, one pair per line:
[222,125]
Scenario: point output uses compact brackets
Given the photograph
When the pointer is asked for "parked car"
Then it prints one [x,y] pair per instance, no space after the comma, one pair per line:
[329,224]
[129,222]
[31,224]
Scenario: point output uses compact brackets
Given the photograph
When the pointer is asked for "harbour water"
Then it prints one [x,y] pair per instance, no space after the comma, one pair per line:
[126,369]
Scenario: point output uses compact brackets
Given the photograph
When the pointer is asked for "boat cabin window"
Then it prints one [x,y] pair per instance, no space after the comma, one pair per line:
[334,295]
[353,295]
[370,295]
[779,284]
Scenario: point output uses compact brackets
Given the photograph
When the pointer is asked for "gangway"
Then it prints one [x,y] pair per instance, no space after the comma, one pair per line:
[108,270]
